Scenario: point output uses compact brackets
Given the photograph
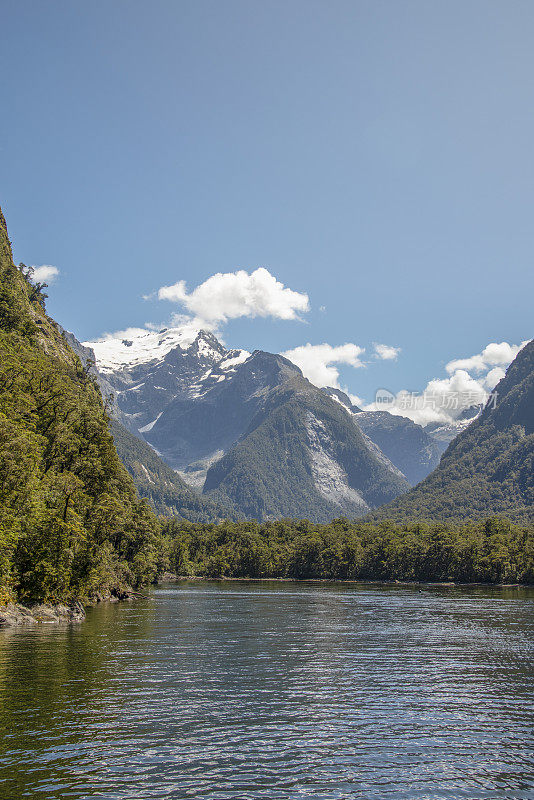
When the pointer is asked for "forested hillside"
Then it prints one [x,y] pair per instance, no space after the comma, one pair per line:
[167,493]
[71,522]
[303,456]
[489,468]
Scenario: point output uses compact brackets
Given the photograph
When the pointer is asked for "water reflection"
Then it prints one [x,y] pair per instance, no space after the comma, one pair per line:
[275,690]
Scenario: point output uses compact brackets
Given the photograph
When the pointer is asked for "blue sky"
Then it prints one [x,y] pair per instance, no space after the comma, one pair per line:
[376,156]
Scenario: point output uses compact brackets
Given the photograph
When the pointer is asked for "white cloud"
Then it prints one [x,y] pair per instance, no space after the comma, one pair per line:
[317,361]
[493,355]
[220,298]
[444,399]
[386,352]
[45,274]
[231,295]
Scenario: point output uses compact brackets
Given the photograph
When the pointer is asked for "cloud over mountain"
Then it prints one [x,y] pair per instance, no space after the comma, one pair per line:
[317,361]
[230,295]
[45,274]
[494,354]
[444,399]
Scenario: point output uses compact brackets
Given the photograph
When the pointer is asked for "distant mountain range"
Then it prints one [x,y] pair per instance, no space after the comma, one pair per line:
[213,432]
[413,449]
[409,446]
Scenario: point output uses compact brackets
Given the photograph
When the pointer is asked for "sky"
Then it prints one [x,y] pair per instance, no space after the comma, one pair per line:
[332,180]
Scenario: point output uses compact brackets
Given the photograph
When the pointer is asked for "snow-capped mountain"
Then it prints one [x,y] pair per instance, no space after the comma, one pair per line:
[206,411]
[148,370]
[248,430]
[140,347]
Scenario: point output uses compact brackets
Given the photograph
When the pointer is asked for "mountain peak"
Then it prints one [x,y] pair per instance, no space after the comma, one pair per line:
[135,346]
[208,336]
[207,346]
[274,362]
[342,398]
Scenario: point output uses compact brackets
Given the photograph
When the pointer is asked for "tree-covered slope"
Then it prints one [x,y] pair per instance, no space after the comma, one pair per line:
[166,492]
[489,468]
[491,551]
[71,522]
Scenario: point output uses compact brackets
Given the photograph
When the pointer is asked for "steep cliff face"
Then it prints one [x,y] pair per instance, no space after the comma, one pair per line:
[489,468]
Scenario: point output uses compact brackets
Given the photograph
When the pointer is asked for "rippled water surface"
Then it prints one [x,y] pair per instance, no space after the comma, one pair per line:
[275,690]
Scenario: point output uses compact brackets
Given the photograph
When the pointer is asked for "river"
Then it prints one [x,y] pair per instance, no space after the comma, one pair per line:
[275,690]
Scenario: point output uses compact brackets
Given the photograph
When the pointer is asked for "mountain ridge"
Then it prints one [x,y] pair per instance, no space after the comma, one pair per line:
[488,469]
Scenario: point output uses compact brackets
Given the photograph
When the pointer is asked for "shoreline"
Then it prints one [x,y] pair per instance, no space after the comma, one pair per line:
[20,615]
[360,581]
[14,615]
[17,614]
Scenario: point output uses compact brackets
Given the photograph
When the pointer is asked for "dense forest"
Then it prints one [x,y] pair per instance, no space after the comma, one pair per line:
[71,521]
[494,551]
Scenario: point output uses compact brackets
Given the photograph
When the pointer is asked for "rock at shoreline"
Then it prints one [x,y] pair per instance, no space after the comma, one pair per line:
[168,577]
[16,614]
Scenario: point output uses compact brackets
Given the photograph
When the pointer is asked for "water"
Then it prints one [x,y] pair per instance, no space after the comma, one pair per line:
[275,690]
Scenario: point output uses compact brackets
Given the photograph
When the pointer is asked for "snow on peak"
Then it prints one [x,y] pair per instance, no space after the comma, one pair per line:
[135,346]
[208,346]
[236,357]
